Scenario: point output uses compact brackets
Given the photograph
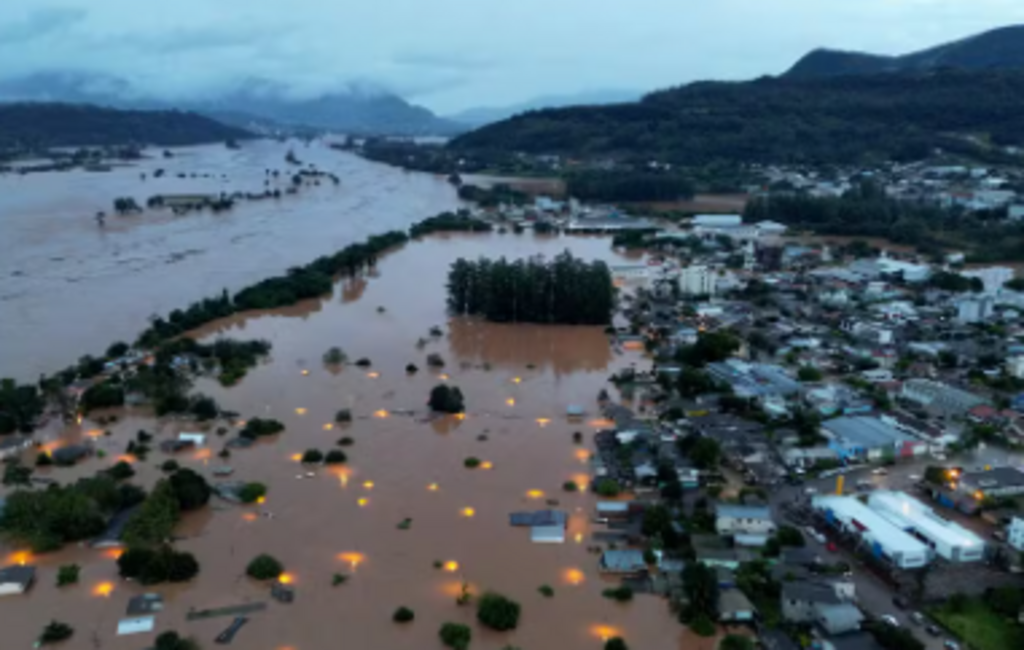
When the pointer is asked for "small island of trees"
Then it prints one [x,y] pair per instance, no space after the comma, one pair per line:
[565,290]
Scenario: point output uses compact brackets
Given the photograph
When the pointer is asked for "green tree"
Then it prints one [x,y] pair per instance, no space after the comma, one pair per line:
[736,642]
[615,643]
[455,636]
[252,492]
[190,489]
[706,453]
[67,575]
[497,612]
[264,567]
[55,632]
[154,522]
[809,374]
[446,399]
[607,487]
[700,584]
[403,615]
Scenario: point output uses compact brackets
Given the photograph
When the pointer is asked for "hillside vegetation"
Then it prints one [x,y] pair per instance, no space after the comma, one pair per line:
[41,125]
[781,120]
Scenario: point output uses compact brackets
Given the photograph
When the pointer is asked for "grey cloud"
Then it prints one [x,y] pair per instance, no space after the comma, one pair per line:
[41,24]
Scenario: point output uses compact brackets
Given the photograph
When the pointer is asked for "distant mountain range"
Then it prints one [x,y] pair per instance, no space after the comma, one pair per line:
[476,117]
[254,103]
[962,98]
[997,49]
[32,126]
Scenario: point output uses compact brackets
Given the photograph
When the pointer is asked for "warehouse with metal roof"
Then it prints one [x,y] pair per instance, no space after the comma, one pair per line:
[885,539]
[865,437]
[949,539]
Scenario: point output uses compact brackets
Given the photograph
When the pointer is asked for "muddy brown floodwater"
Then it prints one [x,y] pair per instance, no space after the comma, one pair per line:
[79,288]
[518,381]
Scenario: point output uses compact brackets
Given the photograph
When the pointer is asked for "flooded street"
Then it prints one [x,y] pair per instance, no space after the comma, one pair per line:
[78,287]
[518,381]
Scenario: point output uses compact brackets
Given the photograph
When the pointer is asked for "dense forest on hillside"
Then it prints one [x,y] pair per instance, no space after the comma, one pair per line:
[779,120]
[866,211]
[614,186]
[564,290]
[32,126]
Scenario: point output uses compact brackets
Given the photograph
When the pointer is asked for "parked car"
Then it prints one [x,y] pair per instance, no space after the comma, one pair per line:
[889,619]
[810,490]
[933,630]
[881,471]
[917,618]
[901,602]
[950,645]
[831,547]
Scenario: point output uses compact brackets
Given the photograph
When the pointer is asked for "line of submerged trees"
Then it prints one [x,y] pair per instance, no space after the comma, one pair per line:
[162,383]
[565,290]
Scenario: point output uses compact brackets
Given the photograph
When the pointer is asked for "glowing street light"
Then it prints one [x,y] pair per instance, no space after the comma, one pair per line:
[468,512]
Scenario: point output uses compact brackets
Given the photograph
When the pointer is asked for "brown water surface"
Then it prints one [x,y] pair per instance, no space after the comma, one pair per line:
[69,287]
[518,381]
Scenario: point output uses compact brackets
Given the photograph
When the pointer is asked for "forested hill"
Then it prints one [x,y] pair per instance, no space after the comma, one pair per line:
[778,120]
[40,125]
[999,48]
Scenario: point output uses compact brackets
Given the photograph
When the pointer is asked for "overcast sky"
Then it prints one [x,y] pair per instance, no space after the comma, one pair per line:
[454,54]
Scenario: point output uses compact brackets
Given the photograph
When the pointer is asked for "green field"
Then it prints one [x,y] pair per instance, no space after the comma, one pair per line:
[981,628]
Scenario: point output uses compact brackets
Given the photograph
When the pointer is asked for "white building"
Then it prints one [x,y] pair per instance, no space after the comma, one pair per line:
[948,539]
[753,521]
[717,220]
[881,537]
[1015,367]
[992,277]
[1015,534]
[975,310]
[698,281]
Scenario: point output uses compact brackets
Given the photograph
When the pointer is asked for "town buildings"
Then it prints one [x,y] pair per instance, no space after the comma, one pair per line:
[884,539]
[948,539]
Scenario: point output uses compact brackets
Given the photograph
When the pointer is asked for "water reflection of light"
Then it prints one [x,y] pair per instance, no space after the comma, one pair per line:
[602,423]
[78,420]
[305,372]
[286,578]
[240,424]
[125,458]
[94,433]
[516,380]
[535,494]
[202,454]
[582,455]
[328,426]
[432,487]
[343,475]
[300,411]
[368,485]
[451,566]
[296,458]
[249,516]
[362,502]
[581,481]
[510,401]
[543,422]
[113,553]
[605,632]
[574,576]
[373,374]
[103,589]
[353,559]
[381,414]
[443,377]
[20,558]
[578,538]
[261,500]
[455,588]
[487,465]
[460,416]
[468,512]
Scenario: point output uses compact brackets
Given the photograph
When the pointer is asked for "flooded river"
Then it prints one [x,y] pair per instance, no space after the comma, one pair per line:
[78,287]
[518,381]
